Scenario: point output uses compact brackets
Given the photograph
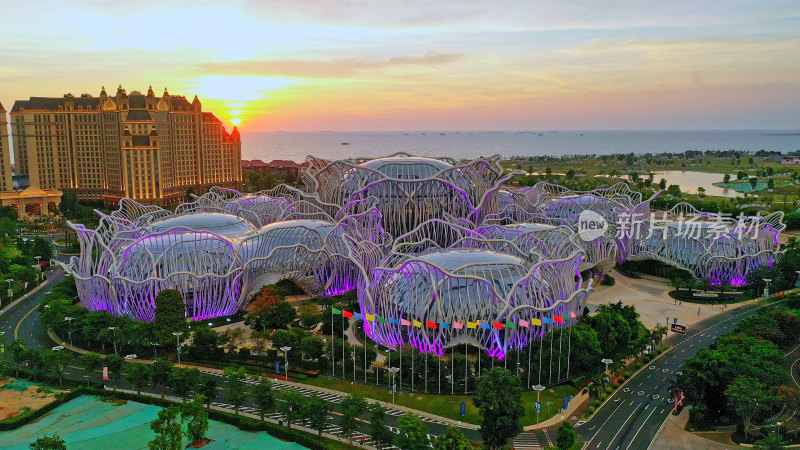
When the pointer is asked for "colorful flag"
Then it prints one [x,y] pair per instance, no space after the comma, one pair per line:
[381,319]
[485,326]
[417,323]
[472,324]
[371,317]
[558,319]
[536,322]
[498,325]
[357,316]
[394,321]
[444,325]
[510,324]
[547,320]
[524,323]
[405,322]
[572,314]
[347,314]
[458,325]
[336,311]
[430,324]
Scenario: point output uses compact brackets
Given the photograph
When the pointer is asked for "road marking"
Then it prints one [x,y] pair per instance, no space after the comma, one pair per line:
[16,329]
[603,424]
[623,424]
[640,428]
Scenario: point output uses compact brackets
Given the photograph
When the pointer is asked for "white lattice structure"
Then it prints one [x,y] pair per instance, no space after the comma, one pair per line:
[472,278]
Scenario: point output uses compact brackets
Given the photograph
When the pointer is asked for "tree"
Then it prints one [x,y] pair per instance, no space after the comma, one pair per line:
[267,296]
[184,381]
[55,361]
[170,315]
[160,374]
[273,316]
[498,397]
[263,397]
[235,392]
[727,178]
[566,436]
[234,337]
[114,363]
[382,436]
[452,439]
[138,375]
[312,346]
[207,387]
[747,398]
[292,406]
[91,362]
[773,441]
[315,410]
[753,183]
[338,322]
[770,184]
[412,432]
[284,338]
[205,343]
[662,184]
[49,442]
[308,315]
[168,429]
[196,419]
[351,407]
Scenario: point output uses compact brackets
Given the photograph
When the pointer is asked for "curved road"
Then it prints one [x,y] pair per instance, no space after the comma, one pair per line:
[632,416]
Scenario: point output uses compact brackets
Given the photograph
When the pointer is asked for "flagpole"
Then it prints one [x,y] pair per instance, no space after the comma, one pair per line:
[343,375]
[400,349]
[569,347]
[466,367]
[560,333]
[541,345]
[550,376]
[530,338]
[426,372]
[453,372]
[333,347]
[440,374]
[412,368]
[365,360]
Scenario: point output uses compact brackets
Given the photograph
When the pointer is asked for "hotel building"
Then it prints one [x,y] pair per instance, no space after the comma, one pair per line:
[153,149]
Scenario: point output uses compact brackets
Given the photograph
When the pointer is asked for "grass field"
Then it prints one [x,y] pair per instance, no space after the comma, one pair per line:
[449,405]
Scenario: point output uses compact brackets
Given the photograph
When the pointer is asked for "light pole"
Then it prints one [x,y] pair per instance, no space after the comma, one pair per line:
[766,289]
[177,335]
[538,388]
[39,265]
[606,361]
[69,320]
[10,289]
[114,330]
[393,371]
[2,342]
[286,362]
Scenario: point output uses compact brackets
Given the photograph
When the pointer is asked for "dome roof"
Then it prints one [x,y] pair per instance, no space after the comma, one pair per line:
[319,225]
[407,167]
[528,227]
[472,261]
[217,223]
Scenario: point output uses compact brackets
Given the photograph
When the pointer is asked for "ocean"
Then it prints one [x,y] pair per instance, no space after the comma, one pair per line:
[472,144]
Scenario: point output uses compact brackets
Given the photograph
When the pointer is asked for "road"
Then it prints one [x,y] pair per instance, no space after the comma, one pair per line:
[29,329]
[632,416]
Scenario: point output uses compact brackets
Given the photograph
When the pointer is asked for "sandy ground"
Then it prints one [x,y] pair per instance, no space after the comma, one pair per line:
[11,401]
[652,301]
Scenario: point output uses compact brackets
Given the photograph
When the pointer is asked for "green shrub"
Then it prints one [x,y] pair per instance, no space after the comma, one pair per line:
[608,280]
[628,373]
[597,402]
[609,390]
[591,409]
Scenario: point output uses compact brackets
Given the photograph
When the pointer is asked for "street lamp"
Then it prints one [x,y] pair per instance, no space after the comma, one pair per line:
[606,361]
[393,371]
[10,289]
[114,330]
[538,388]
[2,342]
[766,289]
[177,335]
[286,361]
[69,320]
[39,265]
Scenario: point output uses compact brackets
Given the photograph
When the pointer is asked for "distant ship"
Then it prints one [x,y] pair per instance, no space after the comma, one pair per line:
[345,143]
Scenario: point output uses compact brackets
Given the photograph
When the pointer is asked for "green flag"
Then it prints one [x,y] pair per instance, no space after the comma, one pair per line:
[510,324]
[336,311]
[381,319]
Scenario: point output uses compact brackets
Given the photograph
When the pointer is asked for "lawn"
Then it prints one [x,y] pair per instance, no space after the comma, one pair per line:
[448,405]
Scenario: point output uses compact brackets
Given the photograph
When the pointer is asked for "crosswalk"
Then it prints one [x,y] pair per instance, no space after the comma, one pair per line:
[526,440]
[278,385]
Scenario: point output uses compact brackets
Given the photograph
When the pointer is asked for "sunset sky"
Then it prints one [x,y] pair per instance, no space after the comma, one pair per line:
[423,64]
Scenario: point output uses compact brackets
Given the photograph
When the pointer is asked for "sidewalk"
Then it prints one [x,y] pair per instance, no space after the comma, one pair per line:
[576,403]
[293,384]
[675,436]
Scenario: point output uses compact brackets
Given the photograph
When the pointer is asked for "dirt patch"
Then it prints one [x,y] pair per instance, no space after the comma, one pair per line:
[202,443]
[18,396]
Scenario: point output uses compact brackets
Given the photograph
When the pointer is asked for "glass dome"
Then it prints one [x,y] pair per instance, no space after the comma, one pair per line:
[218,223]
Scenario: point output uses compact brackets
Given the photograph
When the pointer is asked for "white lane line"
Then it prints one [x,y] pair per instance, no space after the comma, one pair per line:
[603,424]
[640,428]
[623,425]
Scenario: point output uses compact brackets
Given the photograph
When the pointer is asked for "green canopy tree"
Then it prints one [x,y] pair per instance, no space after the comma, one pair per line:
[49,442]
[196,419]
[160,374]
[292,406]
[91,362]
[566,436]
[498,397]
[55,361]
[235,392]
[315,410]
[382,436]
[138,375]
[452,439]
[168,429]
[184,381]
[114,363]
[264,397]
[747,398]
[207,387]
[351,407]
[170,316]
[412,432]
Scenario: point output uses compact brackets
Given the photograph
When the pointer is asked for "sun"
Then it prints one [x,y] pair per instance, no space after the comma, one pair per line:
[236,121]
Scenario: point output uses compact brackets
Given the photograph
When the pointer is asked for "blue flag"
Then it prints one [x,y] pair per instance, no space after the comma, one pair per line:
[277,367]
[394,321]
[357,316]
[485,326]
[547,320]
[444,325]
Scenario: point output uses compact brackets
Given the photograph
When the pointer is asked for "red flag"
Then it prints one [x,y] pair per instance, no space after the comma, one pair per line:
[348,314]
[430,324]
[498,325]
[105,373]
[558,319]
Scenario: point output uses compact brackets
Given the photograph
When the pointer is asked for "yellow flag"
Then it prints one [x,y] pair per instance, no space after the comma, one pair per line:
[417,323]
[371,317]
[536,322]
[472,325]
